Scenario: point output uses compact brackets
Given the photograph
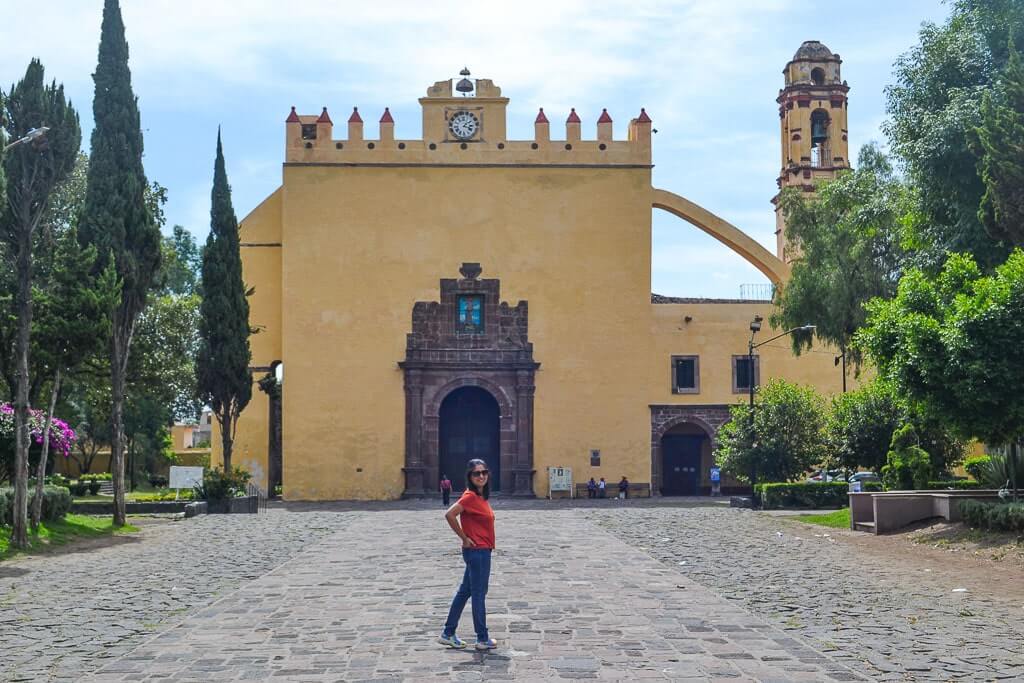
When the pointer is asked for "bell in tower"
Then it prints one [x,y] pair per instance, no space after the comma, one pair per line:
[819,128]
[465,86]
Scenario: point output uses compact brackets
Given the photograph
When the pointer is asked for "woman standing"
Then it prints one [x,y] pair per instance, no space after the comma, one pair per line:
[476,531]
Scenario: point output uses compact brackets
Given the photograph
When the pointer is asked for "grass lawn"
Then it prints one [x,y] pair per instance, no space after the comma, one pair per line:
[840,519]
[61,532]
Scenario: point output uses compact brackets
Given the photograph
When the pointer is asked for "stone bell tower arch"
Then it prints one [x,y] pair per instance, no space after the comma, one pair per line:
[813,125]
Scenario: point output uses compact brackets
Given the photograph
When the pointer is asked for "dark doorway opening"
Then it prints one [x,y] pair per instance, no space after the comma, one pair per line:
[681,464]
[470,423]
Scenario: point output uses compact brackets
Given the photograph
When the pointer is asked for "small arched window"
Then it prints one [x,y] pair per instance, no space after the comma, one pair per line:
[818,76]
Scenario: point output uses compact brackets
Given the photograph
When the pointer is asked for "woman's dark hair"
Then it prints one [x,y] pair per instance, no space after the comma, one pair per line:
[469,478]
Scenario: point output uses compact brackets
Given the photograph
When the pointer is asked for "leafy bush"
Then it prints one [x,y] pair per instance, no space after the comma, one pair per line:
[789,424]
[976,465]
[956,484]
[157,481]
[56,503]
[159,496]
[79,488]
[219,486]
[97,476]
[993,516]
[94,487]
[802,495]
[909,466]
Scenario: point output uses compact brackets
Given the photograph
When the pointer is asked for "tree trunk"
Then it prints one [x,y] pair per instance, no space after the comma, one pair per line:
[23,437]
[225,439]
[37,504]
[117,381]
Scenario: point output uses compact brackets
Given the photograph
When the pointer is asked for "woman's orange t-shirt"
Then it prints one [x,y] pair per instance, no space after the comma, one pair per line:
[477,519]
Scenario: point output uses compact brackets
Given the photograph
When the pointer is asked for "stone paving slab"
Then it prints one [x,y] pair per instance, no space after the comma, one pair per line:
[898,620]
[366,604]
[62,615]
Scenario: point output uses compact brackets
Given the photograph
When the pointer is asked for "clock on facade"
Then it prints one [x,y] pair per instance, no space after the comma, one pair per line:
[463,125]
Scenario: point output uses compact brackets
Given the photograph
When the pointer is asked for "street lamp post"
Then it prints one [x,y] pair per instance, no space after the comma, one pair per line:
[32,135]
[755,327]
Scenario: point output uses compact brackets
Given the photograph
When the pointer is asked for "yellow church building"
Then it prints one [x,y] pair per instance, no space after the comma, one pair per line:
[463,295]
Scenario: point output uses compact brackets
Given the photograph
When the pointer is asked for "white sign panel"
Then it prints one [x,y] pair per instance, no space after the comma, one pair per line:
[186,477]
[560,479]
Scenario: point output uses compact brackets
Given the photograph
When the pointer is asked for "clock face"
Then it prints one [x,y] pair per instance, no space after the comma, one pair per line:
[463,125]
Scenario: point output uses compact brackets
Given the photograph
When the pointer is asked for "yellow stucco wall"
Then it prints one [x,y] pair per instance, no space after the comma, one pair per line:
[357,234]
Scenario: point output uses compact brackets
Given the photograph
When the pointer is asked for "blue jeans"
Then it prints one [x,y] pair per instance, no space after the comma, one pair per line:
[474,584]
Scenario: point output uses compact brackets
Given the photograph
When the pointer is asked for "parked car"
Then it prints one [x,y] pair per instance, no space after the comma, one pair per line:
[830,475]
[864,476]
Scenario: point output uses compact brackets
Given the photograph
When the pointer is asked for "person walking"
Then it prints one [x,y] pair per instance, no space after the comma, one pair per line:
[591,488]
[446,489]
[602,487]
[472,520]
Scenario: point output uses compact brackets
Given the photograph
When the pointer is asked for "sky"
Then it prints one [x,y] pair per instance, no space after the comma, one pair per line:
[707,71]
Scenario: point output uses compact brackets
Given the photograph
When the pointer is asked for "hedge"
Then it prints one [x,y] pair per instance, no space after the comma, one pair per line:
[993,516]
[802,495]
[956,484]
[56,503]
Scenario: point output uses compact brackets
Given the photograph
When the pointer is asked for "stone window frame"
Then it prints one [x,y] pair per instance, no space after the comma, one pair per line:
[695,389]
[736,389]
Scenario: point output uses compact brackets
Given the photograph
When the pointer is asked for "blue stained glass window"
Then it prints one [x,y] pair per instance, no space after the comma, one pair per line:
[471,313]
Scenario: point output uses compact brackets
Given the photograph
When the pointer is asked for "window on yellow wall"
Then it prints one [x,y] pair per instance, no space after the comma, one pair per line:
[742,375]
[685,375]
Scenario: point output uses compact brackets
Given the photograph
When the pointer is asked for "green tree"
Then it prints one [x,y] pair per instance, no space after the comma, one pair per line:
[224,377]
[788,440]
[861,423]
[848,237]
[860,426]
[951,344]
[116,217]
[182,261]
[934,108]
[32,171]
[1001,136]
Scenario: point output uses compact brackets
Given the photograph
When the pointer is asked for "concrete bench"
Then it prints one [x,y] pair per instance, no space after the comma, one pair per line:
[640,490]
[880,512]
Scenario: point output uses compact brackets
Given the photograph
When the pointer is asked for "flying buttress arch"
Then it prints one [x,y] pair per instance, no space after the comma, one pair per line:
[728,234]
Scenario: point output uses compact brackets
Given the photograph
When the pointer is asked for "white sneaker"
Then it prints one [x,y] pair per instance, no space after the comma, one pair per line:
[488,644]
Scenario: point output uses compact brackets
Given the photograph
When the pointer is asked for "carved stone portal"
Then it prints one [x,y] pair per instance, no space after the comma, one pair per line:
[469,338]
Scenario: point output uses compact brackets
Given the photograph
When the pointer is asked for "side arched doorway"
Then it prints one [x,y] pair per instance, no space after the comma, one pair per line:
[469,428]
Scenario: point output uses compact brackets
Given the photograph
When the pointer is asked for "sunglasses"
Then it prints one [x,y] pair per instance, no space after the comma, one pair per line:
[480,473]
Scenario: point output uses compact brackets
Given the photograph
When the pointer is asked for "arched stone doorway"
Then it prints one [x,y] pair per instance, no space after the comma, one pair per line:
[469,339]
[688,427]
[469,427]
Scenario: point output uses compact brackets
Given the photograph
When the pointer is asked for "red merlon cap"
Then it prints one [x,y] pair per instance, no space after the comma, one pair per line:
[355,118]
[643,118]
[604,117]
[386,118]
[293,117]
[324,117]
[573,118]
[540,117]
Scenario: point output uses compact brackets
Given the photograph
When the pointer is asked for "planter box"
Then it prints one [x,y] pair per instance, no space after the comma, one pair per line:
[245,505]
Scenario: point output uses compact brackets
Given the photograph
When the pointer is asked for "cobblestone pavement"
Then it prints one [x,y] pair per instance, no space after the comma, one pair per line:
[568,600]
[889,617]
[61,614]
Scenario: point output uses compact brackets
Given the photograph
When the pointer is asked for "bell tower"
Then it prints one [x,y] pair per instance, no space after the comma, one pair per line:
[813,122]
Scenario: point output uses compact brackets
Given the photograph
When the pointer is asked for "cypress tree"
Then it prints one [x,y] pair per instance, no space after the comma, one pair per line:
[32,171]
[222,367]
[1002,165]
[115,218]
